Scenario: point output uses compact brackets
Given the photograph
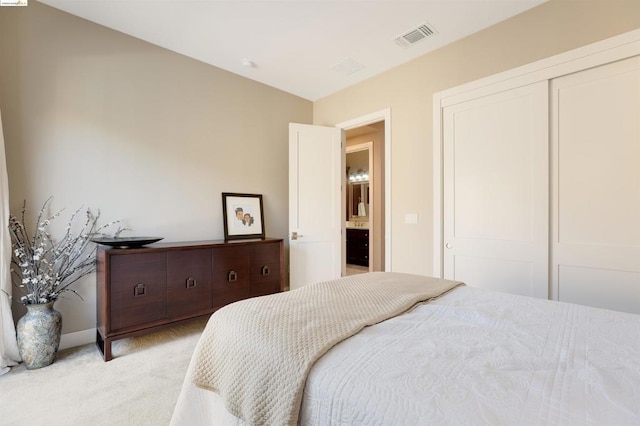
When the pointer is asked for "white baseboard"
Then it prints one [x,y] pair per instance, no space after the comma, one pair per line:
[77,338]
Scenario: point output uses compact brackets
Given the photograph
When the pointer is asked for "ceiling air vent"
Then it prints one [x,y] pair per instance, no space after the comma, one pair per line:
[348,66]
[415,35]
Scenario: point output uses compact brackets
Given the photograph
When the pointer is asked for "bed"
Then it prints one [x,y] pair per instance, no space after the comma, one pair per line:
[460,356]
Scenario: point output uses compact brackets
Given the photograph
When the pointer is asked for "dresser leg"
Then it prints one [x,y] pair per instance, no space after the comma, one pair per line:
[104,345]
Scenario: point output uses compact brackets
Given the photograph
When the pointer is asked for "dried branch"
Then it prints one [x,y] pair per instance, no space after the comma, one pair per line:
[43,269]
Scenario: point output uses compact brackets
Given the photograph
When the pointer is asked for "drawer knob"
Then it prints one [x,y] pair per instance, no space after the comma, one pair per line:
[191,282]
[266,270]
[233,276]
[139,290]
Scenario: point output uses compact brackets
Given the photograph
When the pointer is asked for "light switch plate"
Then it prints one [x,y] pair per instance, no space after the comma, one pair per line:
[411,218]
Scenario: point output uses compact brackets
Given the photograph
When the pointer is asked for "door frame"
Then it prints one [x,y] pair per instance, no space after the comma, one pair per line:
[375,117]
[609,50]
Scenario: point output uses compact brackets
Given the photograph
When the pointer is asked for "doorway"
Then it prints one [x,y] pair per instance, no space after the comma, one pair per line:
[364,235]
[359,207]
[383,117]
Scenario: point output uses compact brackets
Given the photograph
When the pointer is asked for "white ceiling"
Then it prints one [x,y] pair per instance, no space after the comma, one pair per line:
[294,44]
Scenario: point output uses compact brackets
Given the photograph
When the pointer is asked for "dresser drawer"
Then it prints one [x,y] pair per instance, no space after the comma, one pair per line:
[231,275]
[265,269]
[188,282]
[138,289]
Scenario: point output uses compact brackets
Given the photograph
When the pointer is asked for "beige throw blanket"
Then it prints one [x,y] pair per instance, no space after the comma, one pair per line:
[256,354]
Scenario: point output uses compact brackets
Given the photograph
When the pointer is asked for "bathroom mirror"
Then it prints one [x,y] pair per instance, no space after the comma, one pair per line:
[357,163]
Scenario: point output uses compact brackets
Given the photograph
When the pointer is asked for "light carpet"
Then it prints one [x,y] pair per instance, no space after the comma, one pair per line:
[140,386]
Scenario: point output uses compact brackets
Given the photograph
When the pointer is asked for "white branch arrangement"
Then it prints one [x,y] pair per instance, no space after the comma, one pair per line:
[45,268]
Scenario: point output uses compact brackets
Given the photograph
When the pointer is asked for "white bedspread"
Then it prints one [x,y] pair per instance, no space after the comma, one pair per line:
[470,357]
[259,351]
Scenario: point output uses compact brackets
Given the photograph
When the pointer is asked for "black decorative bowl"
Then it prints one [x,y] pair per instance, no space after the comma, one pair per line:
[126,242]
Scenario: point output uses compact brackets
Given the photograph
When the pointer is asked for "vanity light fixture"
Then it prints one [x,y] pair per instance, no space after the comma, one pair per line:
[359,176]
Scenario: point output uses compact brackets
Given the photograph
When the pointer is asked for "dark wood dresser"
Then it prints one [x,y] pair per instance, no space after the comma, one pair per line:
[141,290]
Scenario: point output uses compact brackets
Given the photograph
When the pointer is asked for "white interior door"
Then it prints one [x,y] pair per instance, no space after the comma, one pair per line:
[316,204]
[596,186]
[496,195]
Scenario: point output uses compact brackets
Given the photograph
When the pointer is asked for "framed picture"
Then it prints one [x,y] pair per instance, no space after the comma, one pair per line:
[243,216]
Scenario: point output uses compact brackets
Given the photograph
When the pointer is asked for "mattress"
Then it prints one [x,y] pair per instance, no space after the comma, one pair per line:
[470,357]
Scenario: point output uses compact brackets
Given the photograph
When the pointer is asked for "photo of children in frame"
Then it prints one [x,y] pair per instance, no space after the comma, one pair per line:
[242,214]
[242,218]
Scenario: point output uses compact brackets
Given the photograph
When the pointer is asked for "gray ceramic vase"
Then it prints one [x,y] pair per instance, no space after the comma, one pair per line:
[38,333]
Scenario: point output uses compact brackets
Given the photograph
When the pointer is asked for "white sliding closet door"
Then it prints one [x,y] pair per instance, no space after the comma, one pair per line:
[496,191]
[596,186]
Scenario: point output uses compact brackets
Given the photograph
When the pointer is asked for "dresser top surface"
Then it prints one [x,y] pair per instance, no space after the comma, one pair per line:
[187,245]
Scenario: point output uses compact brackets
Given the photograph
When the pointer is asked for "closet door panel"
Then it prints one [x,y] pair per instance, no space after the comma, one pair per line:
[585,285]
[509,276]
[596,186]
[496,191]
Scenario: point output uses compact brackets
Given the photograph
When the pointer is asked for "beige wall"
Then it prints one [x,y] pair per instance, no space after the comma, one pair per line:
[100,119]
[552,28]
